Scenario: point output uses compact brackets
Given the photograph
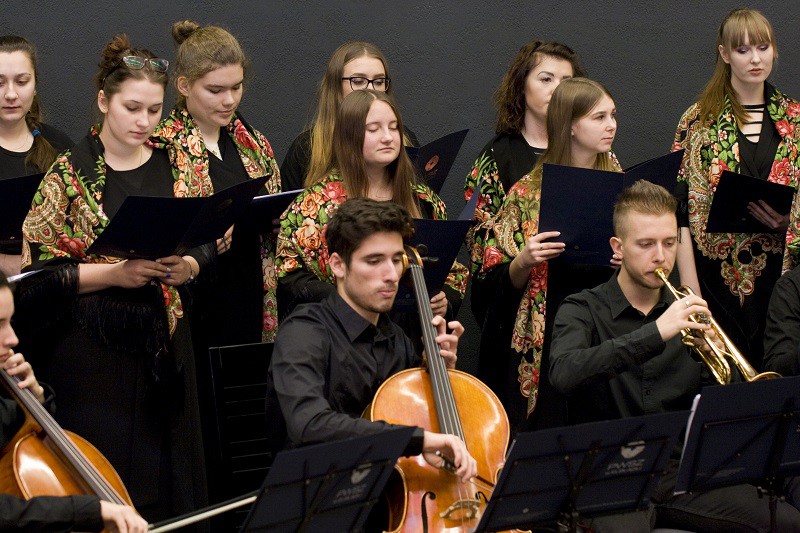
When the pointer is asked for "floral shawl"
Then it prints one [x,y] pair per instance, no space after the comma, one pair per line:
[500,241]
[66,216]
[179,135]
[301,241]
[712,148]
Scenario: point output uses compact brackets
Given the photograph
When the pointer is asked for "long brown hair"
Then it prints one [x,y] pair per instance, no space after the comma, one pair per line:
[329,98]
[510,96]
[737,25]
[42,154]
[202,49]
[347,157]
[573,99]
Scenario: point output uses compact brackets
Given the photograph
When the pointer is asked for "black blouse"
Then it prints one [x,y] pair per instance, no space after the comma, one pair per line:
[12,164]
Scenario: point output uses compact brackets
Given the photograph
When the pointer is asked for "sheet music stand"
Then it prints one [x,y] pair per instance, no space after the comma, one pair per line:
[563,474]
[744,433]
[328,487]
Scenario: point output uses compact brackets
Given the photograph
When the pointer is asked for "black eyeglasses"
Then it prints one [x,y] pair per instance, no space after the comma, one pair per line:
[360,82]
[138,63]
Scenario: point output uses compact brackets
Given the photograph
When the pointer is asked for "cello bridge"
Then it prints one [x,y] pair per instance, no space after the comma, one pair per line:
[467,505]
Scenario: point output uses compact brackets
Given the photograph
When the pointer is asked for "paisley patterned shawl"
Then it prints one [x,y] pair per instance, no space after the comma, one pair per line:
[66,216]
[301,241]
[500,240]
[485,173]
[712,148]
[180,136]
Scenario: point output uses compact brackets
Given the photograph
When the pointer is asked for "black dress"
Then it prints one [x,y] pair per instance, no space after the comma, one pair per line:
[122,382]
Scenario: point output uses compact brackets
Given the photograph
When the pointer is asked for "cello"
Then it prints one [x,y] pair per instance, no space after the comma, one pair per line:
[421,497]
[42,459]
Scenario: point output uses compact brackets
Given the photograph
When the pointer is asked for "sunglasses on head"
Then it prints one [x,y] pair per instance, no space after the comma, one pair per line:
[138,63]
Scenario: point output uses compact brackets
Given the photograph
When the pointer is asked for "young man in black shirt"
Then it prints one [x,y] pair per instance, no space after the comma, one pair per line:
[617,352]
[83,513]
[330,357]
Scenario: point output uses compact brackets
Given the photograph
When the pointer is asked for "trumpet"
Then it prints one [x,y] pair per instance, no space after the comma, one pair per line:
[715,358]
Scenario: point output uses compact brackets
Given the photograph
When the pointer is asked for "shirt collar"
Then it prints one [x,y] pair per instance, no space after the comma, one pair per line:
[354,324]
[619,303]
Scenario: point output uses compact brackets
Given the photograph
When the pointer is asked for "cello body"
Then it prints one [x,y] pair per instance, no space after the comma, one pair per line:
[407,398]
[30,467]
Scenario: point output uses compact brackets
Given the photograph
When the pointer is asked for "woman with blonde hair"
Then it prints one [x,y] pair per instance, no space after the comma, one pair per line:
[353,66]
[743,124]
[368,160]
[513,263]
[212,147]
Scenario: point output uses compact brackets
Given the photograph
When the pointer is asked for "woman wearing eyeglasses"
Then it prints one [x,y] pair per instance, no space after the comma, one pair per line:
[27,145]
[119,352]
[352,67]
[212,147]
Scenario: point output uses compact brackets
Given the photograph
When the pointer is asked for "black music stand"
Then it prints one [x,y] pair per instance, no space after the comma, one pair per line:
[563,474]
[744,433]
[328,487]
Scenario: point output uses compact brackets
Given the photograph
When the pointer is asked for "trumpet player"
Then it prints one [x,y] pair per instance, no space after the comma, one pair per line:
[617,352]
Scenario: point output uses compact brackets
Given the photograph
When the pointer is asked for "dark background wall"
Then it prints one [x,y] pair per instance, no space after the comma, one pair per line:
[446,60]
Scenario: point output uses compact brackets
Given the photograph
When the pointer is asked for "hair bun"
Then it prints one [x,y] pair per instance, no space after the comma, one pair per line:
[116,48]
[181,30]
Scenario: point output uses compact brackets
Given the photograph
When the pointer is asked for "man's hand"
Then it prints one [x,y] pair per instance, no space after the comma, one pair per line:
[121,518]
[448,342]
[438,447]
[676,317]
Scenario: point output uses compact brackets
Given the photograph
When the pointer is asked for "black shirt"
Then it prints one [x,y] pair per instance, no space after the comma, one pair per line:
[327,365]
[153,178]
[782,334]
[12,164]
[608,357]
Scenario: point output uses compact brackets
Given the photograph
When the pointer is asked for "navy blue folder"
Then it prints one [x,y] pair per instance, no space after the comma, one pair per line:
[728,212]
[264,209]
[579,203]
[15,202]
[434,160]
[148,227]
[438,242]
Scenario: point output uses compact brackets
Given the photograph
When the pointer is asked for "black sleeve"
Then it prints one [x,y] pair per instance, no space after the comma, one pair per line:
[575,361]
[299,370]
[300,287]
[295,163]
[50,513]
[782,333]
[205,256]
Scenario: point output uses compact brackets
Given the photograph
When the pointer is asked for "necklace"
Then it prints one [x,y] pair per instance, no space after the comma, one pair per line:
[214,149]
[19,147]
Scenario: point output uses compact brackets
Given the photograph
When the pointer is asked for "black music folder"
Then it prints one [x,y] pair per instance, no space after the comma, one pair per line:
[434,160]
[563,474]
[327,487]
[264,209]
[729,214]
[16,195]
[438,242]
[579,203]
[148,227]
